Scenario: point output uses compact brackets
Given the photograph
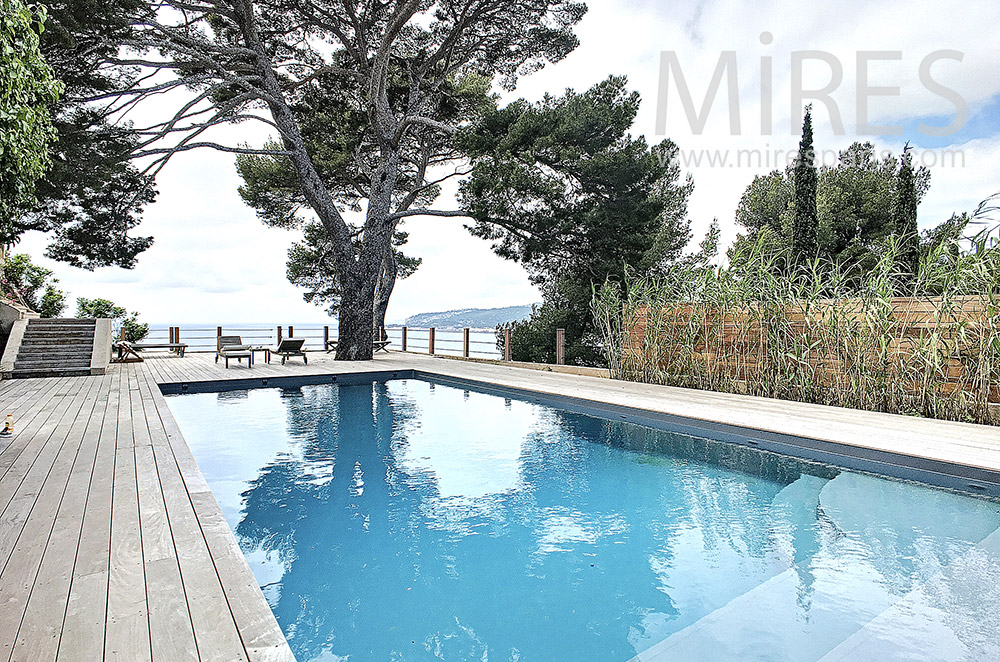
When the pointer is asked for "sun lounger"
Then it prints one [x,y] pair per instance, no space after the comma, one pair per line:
[126,353]
[129,351]
[228,347]
[177,347]
[290,347]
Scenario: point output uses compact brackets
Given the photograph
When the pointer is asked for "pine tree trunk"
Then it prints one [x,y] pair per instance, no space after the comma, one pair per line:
[386,283]
[356,323]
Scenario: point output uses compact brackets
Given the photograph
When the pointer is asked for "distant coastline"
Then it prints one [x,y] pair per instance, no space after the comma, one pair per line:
[482,319]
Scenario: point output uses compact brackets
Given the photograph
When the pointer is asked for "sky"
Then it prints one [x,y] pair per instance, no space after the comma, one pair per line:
[213,261]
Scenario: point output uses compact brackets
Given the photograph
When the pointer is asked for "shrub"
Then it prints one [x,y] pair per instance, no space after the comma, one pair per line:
[99,309]
[126,326]
[30,285]
[132,330]
[534,340]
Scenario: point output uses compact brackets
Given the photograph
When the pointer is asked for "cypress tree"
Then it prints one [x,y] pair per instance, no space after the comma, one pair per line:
[906,216]
[805,222]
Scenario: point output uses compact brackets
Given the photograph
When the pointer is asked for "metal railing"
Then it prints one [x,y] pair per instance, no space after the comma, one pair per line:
[467,343]
[446,342]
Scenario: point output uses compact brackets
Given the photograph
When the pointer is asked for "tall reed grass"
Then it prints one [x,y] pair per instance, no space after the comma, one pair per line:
[880,340]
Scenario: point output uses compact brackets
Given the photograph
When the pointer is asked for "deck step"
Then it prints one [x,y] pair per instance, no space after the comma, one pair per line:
[62,321]
[52,356]
[83,348]
[44,343]
[55,350]
[55,347]
[59,333]
[57,362]
[61,327]
[49,372]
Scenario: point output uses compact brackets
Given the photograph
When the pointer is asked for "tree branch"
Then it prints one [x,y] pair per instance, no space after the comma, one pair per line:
[457,213]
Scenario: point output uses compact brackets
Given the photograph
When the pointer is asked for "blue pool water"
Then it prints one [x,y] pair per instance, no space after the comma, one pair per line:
[407,520]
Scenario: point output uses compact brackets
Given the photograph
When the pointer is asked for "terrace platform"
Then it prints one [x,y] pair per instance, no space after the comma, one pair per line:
[113,547]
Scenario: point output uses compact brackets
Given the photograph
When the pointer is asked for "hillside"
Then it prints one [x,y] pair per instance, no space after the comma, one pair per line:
[474,318]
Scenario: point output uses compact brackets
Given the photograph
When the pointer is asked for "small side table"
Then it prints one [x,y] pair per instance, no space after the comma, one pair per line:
[262,348]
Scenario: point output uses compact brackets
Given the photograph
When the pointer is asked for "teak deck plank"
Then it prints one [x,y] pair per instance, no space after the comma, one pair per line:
[83,627]
[127,627]
[31,515]
[38,636]
[171,633]
[214,628]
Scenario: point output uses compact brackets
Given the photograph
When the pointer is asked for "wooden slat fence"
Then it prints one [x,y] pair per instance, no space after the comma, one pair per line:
[916,344]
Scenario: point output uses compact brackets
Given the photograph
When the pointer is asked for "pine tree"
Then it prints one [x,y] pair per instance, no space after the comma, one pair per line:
[906,216]
[805,222]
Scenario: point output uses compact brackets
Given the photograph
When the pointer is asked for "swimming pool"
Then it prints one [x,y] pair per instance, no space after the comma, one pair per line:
[413,520]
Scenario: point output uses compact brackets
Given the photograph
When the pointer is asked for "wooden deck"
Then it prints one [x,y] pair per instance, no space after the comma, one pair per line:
[113,547]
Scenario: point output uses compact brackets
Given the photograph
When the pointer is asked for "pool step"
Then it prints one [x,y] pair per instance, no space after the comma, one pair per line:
[795,509]
[769,623]
[922,625]
[838,612]
[872,506]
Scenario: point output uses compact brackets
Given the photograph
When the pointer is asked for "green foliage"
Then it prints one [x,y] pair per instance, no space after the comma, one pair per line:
[92,195]
[132,330]
[818,332]
[31,285]
[946,237]
[345,151]
[767,203]
[805,218]
[534,340]
[53,302]
[27,90]
[126,326]
[365,97]
[98,309]
[561,187]
[906,215]
[856,206]
[90,199]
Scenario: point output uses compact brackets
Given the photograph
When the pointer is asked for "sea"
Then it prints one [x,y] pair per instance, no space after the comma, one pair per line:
[201,337]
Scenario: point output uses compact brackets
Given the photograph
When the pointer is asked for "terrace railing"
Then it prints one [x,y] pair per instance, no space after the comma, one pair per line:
[467,343]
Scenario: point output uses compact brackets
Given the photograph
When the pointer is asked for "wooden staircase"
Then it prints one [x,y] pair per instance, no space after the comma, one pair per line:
[55,348]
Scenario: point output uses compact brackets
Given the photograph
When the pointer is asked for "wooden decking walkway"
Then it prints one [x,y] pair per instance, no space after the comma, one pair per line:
[113,547]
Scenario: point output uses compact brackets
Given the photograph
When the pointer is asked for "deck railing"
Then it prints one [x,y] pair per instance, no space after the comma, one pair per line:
[468,343]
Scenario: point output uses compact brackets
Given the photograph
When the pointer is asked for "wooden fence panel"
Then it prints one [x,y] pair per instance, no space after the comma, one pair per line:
[738,344]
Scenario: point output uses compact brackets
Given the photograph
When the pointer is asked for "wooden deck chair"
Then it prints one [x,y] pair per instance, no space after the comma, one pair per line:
[290,347]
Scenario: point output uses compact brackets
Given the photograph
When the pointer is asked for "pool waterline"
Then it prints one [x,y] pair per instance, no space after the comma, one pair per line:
[297,468]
